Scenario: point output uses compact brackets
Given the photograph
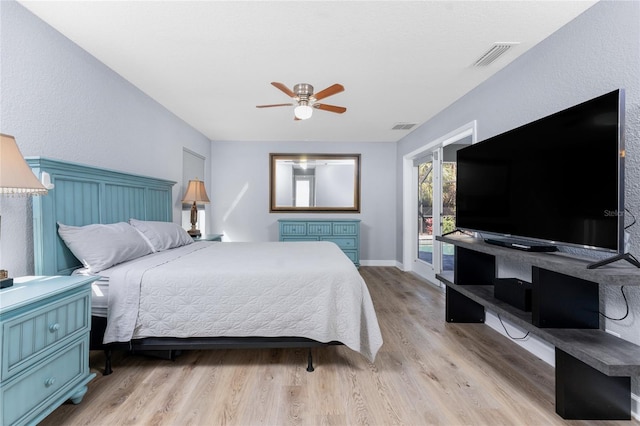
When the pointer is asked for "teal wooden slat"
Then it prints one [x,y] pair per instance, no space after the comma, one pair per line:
[27,339]
[123,202]
[158,205]
[41,332]
[74,203]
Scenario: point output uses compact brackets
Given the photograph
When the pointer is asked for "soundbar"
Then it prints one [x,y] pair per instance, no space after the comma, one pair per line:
[521,244]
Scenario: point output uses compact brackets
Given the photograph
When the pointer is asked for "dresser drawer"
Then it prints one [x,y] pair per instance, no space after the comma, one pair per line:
[26,338]
[353,255]
[344,243]
[29,394]
[345,228]
[299,238]
[319,228]
[293,229]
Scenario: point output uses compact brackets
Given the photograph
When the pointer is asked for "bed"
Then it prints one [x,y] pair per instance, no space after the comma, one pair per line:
[196,295]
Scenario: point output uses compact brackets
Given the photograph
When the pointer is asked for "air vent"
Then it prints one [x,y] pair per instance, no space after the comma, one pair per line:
[494,52]
[403,126]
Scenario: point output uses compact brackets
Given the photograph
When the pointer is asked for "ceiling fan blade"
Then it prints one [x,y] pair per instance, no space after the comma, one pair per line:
[330,108]
[331,90]
[273,105]
[284,88]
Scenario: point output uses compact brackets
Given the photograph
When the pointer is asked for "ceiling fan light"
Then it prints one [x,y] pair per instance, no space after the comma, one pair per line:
[302,112]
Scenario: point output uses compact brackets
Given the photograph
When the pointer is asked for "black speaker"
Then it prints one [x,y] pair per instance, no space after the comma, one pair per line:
[563,301]
[513,291]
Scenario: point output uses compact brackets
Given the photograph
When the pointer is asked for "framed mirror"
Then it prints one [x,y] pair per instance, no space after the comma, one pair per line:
[314,183]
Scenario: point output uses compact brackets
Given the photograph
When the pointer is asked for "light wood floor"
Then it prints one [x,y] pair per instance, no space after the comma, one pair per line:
[427,372]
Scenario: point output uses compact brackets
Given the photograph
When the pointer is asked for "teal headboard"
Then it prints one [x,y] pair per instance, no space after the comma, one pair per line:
[84,195]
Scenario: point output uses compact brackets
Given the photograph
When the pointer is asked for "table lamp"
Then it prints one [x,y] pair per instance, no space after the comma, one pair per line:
[16,179]
[196,194]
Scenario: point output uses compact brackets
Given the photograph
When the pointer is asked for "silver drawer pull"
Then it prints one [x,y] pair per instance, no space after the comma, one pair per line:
[54,327]
[49,382]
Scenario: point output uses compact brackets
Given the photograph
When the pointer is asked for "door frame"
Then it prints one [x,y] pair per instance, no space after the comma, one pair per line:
[410,202]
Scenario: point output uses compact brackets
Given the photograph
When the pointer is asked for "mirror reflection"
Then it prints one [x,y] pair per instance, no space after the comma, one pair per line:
[315,182]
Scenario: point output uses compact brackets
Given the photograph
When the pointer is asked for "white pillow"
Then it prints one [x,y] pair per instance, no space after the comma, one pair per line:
[100,246]
[162,235]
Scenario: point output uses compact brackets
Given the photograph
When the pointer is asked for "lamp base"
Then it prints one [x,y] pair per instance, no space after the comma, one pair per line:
[6,282]
[194,233]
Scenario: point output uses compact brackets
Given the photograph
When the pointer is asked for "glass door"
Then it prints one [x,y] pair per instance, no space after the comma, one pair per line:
[429,201]
[425,210]
[436,208]
[448,211]
[448,198]
[427,258]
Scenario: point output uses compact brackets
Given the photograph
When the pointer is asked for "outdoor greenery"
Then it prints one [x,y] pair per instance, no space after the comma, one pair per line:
[448,224]
[425,196]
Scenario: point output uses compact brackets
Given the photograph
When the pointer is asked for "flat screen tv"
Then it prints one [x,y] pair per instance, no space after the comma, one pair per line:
[558,180]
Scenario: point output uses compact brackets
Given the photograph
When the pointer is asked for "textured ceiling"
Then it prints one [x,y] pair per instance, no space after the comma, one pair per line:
[211,62]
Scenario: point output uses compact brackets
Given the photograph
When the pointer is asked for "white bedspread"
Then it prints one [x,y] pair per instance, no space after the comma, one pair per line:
[302,289]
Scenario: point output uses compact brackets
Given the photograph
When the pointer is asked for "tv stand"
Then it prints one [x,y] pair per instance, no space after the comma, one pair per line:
[593,368]
[626,256]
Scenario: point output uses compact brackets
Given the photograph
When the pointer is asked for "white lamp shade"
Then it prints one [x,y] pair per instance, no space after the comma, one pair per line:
[16,177]
[196,193]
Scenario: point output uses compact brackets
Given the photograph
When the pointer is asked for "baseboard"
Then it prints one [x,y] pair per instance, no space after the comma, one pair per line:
[533,344]
[379,263]
[400,266]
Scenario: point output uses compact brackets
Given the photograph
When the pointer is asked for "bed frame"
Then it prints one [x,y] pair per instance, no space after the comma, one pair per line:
[83,195]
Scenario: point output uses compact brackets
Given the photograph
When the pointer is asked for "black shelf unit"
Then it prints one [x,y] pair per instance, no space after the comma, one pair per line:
[593,368]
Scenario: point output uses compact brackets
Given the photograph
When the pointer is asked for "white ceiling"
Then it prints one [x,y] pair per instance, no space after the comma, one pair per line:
[211,62]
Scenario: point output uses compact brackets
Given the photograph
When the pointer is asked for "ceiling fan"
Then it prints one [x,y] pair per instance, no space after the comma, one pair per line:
[306,100]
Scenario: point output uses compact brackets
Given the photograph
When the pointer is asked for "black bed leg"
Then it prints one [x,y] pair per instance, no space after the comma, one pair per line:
[310,362]
[107,362]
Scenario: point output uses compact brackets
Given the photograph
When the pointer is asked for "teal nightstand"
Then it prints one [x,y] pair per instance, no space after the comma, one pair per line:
[209,237]
[44,352]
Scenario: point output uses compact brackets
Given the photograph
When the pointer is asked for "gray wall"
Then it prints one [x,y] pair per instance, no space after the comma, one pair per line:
[334,185]
[594,54]
[60,102]
[240,188]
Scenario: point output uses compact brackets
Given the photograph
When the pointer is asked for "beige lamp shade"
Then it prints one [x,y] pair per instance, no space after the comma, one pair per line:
[196,193]
[16,177]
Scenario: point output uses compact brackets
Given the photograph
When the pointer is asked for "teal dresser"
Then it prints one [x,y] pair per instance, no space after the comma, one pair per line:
[44,357]
[344,232]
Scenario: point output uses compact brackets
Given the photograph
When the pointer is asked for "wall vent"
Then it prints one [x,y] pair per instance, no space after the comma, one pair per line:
[494,52]
[403,126]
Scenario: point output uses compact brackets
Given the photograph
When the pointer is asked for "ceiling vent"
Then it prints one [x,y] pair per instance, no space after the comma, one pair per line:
[403,126]
[494,52]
